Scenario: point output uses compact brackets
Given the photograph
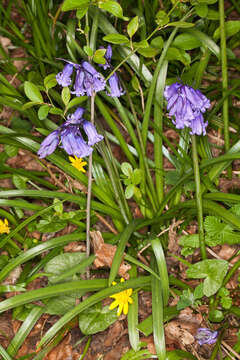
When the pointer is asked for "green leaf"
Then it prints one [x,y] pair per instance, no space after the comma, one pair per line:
[61,304]
[10,150]
[137,176]
[148,52]
[129,192]
[186,41]
[127,169]
[201,10]
[174,53]
[181,24]
[50,81]
[50,225]
[66,96]
[62,263]
[161,18]
[74,4]
[116,39]
[216,316]
[185,300]
[133,26]
[212,15]
[198,291]
[141,44]
[231,28]
[43,112]
[99,56]
[88,50]
[207,1]
[19,181]
[81,12]
[32,92]
[58,206]
[96,319]
[191,241]
[30,104]
[113,7]
[213,270]
[157,42]
[135,83]
[56,111]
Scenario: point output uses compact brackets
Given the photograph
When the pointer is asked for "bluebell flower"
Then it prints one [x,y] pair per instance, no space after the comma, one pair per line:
[73,143]
[76,117]
[64,78]
[115,87]
[186,105]
[206,336]
[49,144]
[108,57]
[70,138]
[91,132]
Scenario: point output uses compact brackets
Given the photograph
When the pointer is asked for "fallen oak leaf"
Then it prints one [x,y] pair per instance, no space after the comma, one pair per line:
[105,254]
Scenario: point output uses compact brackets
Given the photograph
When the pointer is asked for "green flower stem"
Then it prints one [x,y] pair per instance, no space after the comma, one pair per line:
[224,77]
[198,198]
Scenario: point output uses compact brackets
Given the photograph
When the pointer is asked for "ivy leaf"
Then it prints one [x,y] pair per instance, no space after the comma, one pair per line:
[50,225]
[213,271]
[185,300]
[61,304]
[96,319]
[20,181]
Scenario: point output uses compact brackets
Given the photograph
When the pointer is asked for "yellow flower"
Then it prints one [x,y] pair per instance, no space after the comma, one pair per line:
[121,300]
[4,228]
[78,163]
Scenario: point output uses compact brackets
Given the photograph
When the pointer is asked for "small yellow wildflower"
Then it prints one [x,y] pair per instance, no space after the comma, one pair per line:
[78,163]
[121,300]
[4,228]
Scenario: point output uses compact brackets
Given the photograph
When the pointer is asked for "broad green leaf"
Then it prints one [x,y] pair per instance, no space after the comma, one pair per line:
[129,192]
[201,10]
[132,26]
[43,112]
[137,176]
[116,39]
[66,96]
[88,50]
[50,225]
[212,15]
[32,92]
[56,111]
[148,52]
[126,169]
[61,304]
[74,4]
[216,316]
[96,319]
[98,56]
[113,7]
[141,44]
[186,41]
[30,104]
[81,12]
[185,300]
[135,83]
[62,263]
[19,181]
[213,271]
[161,18]
[181,24]
[10,150]
[206,41]
[174,53]
[231,28]
[50,81]
[209,2]
[157,42]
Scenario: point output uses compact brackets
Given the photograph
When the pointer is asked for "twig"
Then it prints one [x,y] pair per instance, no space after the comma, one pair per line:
[230,349]
[104,221]
[215,255]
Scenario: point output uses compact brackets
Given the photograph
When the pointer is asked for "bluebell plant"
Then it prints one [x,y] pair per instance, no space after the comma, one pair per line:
[206,336]
[70,138]
[187,106]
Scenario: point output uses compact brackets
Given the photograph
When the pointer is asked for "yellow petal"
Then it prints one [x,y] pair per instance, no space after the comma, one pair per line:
[113,305]
[125,308]
[130,300]
[122,280]
[120,309]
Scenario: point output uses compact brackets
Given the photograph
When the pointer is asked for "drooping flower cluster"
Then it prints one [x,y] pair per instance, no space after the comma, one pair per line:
[70,137]
[4,228]
[88,80]
[187,106]
[206,336]
[122,299]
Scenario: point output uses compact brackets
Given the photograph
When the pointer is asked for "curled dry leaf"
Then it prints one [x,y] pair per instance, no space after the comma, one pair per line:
[105,254]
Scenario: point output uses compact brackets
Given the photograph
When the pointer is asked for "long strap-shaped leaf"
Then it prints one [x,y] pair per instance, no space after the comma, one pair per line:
[90,301]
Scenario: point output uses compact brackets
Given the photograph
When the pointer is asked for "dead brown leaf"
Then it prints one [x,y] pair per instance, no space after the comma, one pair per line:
[105,254]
